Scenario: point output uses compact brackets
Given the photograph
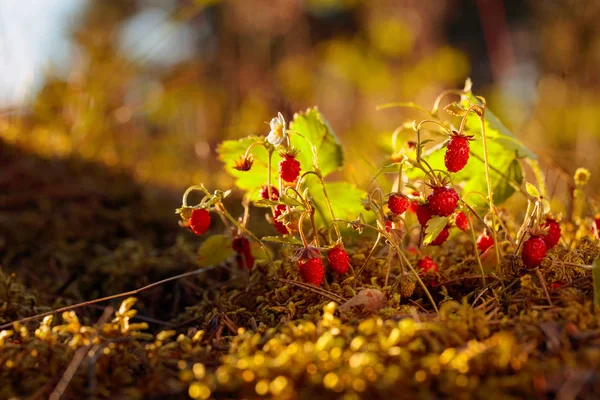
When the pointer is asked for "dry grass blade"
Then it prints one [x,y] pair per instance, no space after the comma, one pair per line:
[78,357]
[315,289]
[115,296]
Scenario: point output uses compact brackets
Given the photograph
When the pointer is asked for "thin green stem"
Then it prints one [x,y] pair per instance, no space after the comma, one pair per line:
[269,175]
[405,259]
[327,200]
[314,226]
[221,209]
[303,202]
[412,269]
[477,215]
[474,239]
[488,180]
[436,104]
[257,143]
[531,210]
[300,230]
[190,190]
[364,265]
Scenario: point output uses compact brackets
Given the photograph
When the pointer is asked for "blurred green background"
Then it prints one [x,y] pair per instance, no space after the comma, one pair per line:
[152,86]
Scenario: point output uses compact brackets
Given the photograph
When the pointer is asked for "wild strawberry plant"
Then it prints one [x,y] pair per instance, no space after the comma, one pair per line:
[456,166]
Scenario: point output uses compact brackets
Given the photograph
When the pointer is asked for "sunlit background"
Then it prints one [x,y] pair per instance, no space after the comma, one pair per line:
[152,86]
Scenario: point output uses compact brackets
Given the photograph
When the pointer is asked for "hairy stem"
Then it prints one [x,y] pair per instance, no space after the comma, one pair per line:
[474,239]
[242,228]
[488,181]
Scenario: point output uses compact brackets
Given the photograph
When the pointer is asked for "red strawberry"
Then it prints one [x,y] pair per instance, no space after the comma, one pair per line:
[241,245]
[484,242]
[248,259]
[534,251]
[311,270]
[443,201]
[427,265]
[413,206]
[457,153]
[338,260]
[423,214]
[199,221]
[553,236]
[388,226]
[398,203]
[441,238]
[462,222]
[289,167]
[280,226]
[264,193]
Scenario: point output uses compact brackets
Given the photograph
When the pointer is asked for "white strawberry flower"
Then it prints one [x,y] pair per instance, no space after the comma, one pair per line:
[278,132]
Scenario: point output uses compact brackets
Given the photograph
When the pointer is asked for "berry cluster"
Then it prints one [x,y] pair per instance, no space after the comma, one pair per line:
[537,245]
[291,213]
[442,202]
[311,267]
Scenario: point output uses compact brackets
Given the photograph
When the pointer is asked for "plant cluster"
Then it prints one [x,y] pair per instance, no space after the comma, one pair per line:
[454,170]
[424,283]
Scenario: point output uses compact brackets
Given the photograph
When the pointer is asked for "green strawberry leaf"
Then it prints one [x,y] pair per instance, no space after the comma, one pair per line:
[215,250]
[346,201]
[494,129]
[531,190]
[455,109]
[231,150]
[504,153]
[434,227]
[290,201]
[506,179]
[281,239]
[258,251]
[315,129]
[264,203]
[506,172]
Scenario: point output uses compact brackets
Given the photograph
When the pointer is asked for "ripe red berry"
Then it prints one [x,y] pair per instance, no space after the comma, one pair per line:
[311,270]
[534,251]
[427,265]
[199,221]
[289,168]
[461,220]
[248,259]
[338,260]
[413,206]
[553,236]
[443,201]
[398,203]
[484,242]
[240,244]
[457,153]
[441,238]
[423,214]
[280,226]
[388,226]
[264,193]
